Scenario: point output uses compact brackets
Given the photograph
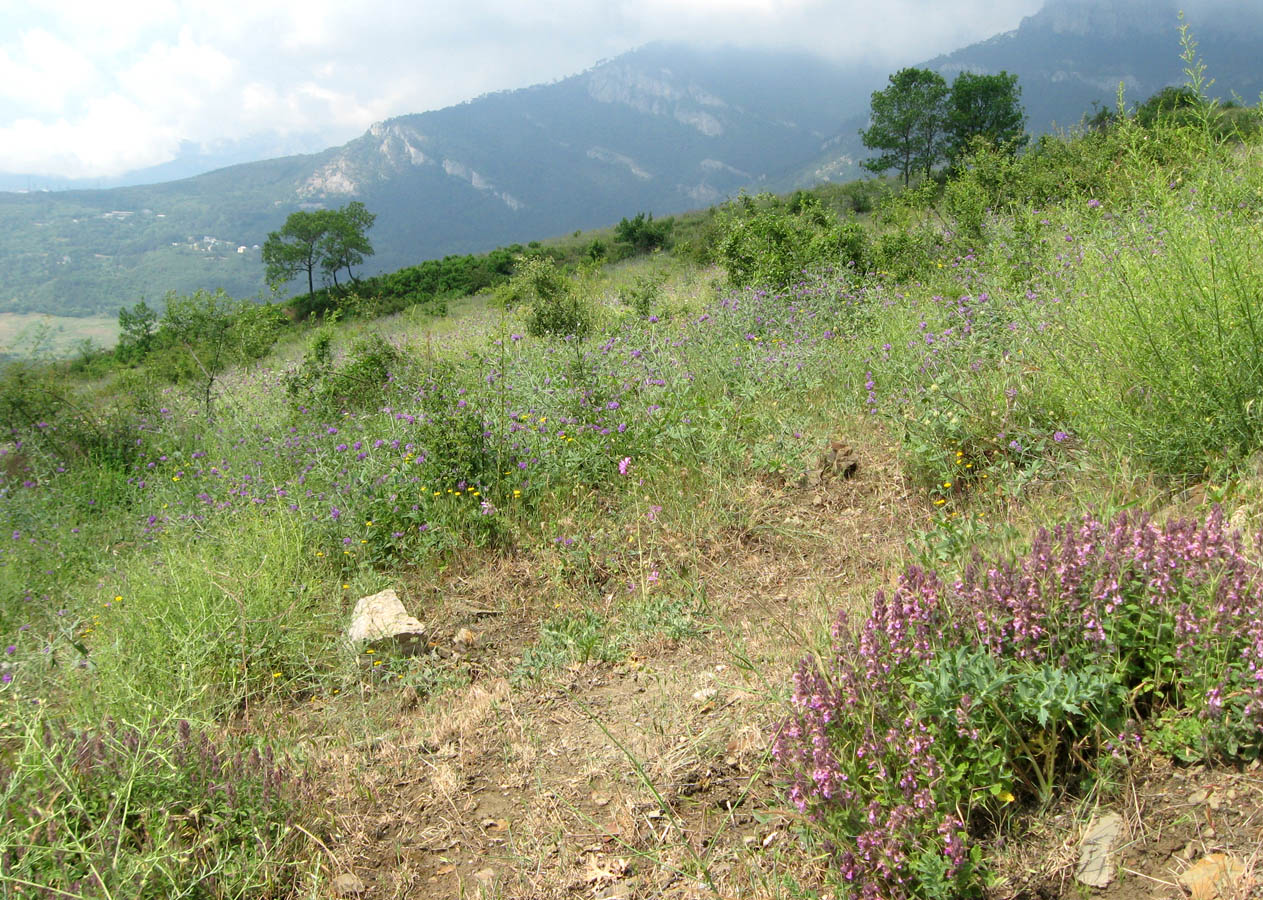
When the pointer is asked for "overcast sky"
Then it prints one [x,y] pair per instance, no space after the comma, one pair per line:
[92,89]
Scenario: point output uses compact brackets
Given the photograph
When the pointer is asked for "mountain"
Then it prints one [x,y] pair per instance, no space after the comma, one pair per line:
[662,129]
[1073,54]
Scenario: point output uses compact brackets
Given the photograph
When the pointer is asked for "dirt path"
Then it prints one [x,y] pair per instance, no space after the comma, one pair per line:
[646,777]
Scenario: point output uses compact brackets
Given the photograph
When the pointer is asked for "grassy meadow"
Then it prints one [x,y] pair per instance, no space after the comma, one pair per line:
[671,652]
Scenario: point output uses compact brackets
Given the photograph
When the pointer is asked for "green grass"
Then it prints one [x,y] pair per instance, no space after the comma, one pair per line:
[1094,327]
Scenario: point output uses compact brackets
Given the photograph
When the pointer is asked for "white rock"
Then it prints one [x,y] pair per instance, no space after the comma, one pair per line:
[382,617]
[1096,865]
[348,885]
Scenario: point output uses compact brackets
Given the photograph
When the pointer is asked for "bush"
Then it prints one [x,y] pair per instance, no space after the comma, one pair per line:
[766,242]
[41,413]
[358,383]
[642,234]
[644,294]
[557,307]
[952,699]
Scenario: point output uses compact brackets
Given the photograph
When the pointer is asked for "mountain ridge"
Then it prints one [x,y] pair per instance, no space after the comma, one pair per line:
[662,128]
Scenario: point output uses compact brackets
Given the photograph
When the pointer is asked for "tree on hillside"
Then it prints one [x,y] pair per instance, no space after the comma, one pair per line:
[136,328]
[330,239]
[986,107]
[345,243]
[907,123]
[296,248]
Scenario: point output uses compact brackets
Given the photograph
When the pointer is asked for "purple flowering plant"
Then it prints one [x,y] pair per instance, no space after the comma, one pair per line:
[75,796]
[951,699]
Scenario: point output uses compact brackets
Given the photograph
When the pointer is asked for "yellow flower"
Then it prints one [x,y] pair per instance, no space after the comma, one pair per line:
[118,598]
[939,502]
[947,484]
[175,477]
[276,674]
[369,524]
[517,493]
[377,662]
[320,553]
[345,586]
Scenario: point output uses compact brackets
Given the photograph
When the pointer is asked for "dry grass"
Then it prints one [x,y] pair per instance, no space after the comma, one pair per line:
[646,777]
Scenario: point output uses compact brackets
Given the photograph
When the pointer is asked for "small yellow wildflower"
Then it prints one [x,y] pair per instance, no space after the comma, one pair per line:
[947,484]
[320,553]
[276,674]
[118,598]
[175,477]
[939,502]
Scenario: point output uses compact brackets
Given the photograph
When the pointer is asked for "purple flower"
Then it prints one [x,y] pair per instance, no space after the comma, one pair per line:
[623,465]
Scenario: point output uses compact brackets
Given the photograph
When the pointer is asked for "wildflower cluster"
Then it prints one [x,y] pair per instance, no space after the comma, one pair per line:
[951,699]
[76,796]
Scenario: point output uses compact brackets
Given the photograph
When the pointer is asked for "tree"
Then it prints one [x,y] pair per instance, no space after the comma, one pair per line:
[907,123]
[296,248]
[345,243]
[986,107]
[136,331]
[330,239]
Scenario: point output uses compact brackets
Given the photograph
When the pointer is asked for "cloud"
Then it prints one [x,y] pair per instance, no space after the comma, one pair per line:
[87,91]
